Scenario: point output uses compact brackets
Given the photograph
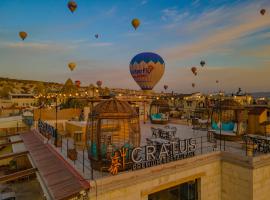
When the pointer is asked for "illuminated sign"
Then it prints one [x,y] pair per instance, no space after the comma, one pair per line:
[46,128]
[152,155]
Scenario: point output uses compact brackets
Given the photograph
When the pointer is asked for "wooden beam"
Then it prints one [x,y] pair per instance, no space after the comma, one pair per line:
[17,175]
[10,143]
[7,136]
[10,155]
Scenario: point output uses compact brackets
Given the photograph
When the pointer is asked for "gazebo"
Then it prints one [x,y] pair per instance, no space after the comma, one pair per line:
[229,119]
[113,124]
[159,111]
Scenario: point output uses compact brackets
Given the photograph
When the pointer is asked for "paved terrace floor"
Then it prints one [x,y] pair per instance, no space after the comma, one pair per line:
[61,179]
[83,166]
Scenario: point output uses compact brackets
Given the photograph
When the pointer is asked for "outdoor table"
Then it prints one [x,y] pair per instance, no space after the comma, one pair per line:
[171,132]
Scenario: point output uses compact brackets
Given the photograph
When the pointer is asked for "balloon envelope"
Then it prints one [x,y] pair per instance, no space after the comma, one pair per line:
[72,5]
[71,66]
[78,83]
[147,69]
[135,23]
[194,70]
[23,35]
[99,83]
[262,11]
[202,63]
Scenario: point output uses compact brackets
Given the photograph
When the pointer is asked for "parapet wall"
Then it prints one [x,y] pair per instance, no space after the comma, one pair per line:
[221,175]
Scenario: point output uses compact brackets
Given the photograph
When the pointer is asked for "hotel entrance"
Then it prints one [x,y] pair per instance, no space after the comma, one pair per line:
[185,191]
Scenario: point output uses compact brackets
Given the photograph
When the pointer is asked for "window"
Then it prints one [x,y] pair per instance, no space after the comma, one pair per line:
[184,191]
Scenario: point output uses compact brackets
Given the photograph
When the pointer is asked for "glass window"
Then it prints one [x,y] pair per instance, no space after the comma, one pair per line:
[184,191]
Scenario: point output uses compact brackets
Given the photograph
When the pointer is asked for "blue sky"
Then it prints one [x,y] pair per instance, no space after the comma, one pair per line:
[230,35]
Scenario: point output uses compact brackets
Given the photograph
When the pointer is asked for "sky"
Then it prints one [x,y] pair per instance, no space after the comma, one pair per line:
[230,35]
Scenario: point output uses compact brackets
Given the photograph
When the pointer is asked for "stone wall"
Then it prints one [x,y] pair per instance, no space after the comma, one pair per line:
[222,176]
[139,184]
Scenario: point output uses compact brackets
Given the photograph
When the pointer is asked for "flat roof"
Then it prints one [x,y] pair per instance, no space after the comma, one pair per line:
[61,179]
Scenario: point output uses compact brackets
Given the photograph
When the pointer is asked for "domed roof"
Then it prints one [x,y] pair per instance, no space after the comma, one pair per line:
[114,108]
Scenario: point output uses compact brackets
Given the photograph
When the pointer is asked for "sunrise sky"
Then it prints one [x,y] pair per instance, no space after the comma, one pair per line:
[230,35]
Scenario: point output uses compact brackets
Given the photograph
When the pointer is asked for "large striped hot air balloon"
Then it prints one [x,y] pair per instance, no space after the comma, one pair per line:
[147,69]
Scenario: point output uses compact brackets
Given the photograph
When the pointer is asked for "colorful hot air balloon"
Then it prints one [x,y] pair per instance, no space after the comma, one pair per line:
[202,63]
[96,36]
[72,5]
[78,83]
[71,66]
[262,11]
[147,69]
[194,70]
[99,83]
[165,87]
[135,23]
[193,85]
[23,35]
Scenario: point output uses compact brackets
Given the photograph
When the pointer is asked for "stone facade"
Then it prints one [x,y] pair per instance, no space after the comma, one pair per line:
[221,175]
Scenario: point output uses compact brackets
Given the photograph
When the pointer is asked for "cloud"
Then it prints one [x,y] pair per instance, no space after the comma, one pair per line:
[173,14]
[218,38]
[38,46]
[111,11]
[195,3]
[101,44]
[144,2]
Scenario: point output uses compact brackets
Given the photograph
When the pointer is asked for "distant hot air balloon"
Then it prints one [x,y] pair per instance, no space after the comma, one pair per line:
[135,23]
[99,83]
[72,5]
[217,81]
[194,70]
[147,69]
[262,11]
[23,35]
[193,85]
[165,87]
[96,36]
[71,66]
[78,83]
[202,63]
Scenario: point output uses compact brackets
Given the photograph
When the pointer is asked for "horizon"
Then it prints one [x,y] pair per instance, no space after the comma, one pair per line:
[231,36]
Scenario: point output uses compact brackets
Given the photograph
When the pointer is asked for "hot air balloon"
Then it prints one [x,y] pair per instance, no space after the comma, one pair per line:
[78,83]
[217,81]
[23,35]
[135,23]
[165,87]
[262,11]
[99,83]
[147,69]
[72,5]
[96,36]
[202,63]
[193,85]
[194,70]
[71,66]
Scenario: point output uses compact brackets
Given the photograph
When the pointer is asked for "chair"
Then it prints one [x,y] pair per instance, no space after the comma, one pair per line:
[148,141]
[154,132]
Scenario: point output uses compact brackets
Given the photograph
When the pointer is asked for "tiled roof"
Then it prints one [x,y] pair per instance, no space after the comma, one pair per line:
[61,179]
